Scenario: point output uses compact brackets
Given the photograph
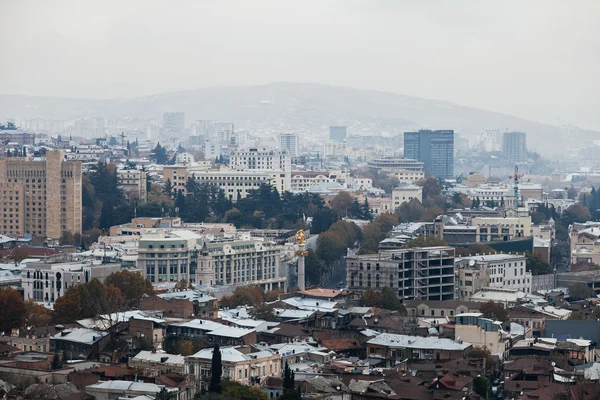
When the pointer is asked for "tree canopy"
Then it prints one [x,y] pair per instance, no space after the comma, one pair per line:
[12,310]
[132,285]
[494,311]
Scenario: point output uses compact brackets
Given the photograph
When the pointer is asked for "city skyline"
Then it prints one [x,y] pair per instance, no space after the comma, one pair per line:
[97,51]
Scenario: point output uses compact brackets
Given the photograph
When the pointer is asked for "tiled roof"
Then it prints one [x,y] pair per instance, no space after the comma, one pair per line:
[341,344]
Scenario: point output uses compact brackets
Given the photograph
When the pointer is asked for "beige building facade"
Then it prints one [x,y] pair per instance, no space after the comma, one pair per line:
[40,197]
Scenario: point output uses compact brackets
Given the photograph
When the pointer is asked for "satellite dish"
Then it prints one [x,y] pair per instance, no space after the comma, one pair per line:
[471,263]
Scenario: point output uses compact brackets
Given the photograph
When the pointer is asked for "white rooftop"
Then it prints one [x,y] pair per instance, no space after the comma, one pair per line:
[128,386]
[80,335]
[159,357]
[417,342]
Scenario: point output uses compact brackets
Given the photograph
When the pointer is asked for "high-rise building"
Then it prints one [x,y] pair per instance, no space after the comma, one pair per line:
[337,133]
[514,146]
[173,122]
[264,160]
[434,148]
[289,142]
[40,198]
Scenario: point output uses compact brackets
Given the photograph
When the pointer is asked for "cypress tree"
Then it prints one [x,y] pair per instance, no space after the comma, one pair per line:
[216,371]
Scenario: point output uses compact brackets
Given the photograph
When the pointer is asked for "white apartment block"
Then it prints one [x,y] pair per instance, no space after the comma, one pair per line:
[87,153]
[404,194]
[290,143]
[235,183]
[404,169]
[505,271]
[133,184]
[302,180]
[184,158]
[276,161]
[177,255]
[45,282]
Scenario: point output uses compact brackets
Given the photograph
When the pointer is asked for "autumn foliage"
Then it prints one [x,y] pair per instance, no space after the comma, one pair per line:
[88,301]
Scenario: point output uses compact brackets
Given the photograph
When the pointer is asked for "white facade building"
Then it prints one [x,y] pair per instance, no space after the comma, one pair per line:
[275,161]
[405,194]
[504,271]
[45,282]
[290,143]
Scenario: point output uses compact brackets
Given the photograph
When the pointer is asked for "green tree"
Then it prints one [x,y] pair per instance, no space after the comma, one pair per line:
[536,265]
[580,291]
[216,371]
[390,301]
[164,394]
[56,362]
[481,386]
[330,247]
[159,154]
[288,378]
[494,311]
[312,267]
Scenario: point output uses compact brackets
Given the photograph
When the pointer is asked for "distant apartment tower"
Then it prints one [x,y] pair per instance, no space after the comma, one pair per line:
[337,133]
[514,146]
[289,142]
[40,198]
[435,149]
[173,122]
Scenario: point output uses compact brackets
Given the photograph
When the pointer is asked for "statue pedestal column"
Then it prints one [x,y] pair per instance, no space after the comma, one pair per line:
[301,253]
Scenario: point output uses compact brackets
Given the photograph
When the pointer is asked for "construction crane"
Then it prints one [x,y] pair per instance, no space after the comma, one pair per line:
[516,177]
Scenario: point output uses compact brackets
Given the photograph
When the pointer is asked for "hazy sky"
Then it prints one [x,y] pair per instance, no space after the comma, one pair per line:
[535,59]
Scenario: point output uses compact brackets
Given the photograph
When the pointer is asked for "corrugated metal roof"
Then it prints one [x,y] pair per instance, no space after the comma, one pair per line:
[159,357]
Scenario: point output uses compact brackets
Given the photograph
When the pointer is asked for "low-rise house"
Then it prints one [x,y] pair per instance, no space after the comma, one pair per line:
[212,331]
[79,343]
[154,363]
[390,348]
[182,304]
[111,390]
[242,364]
[435,308]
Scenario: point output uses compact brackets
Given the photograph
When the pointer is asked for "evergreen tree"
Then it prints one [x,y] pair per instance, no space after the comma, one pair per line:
[163,394]
[56,362]
[288,378]
[366,210]
[168,188]
[216,371]
[159,154]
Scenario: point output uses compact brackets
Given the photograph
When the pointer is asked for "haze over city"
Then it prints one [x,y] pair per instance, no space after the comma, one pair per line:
[536,59]
[294,200]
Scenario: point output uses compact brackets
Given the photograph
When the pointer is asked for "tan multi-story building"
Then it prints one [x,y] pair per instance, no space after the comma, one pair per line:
[40,197]
[483,333]
[133,184]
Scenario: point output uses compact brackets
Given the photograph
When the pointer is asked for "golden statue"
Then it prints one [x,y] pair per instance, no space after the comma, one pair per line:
[300,240]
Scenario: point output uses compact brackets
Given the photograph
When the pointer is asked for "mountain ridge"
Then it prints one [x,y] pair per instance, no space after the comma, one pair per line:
[295,106]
